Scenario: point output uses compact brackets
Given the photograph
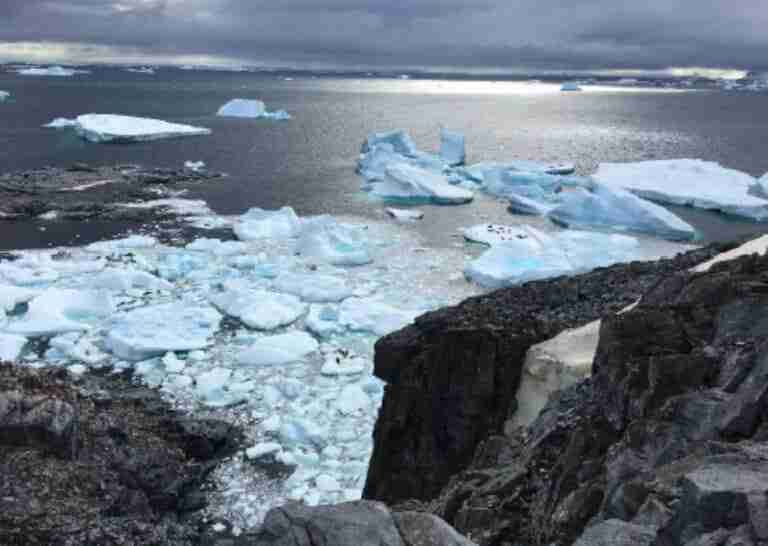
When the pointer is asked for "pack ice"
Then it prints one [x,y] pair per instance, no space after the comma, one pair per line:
[690,182]
[117,128]
[248,108]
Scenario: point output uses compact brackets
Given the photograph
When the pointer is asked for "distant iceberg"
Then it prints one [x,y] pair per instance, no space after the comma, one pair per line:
[248,108]
[117,128]
[57,71]
[690,182]
[143,70]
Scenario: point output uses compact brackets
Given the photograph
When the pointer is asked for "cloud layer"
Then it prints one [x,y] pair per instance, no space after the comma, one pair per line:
[472,34]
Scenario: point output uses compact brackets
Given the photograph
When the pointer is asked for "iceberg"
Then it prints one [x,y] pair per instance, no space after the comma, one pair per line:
[375,315]
[505,183]
[325,240]
[690,182]
[278,350]
[313,287]
[570,86]
[478,171]
[409,184]
[154,330]
[398,141]
[268,224]
[600,207]
[452,147]
[259,309]
[57,71]
[405,215]
[195,166]
[11,346]
[143,70]
[58,311]
[117,128]
[61,123]
[529,207]
[4,95]
[248,108]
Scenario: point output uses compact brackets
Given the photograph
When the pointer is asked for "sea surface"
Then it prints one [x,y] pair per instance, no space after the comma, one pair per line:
[308,162]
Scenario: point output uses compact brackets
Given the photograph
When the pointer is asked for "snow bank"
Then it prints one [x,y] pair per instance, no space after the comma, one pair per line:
[755,246]
[116,128]
[690,182]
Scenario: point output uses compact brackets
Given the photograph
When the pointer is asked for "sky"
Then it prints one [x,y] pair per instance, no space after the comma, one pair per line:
[471,35]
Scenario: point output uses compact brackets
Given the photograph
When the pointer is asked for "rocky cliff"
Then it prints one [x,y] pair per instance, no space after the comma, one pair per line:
[664,445]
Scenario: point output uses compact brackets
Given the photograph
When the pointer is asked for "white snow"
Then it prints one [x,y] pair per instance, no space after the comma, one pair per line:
[452,147]
[118,128]
[259,309]
[153,331]
[58,71]
[268,224]
[11,346]
[601,207]
[249,108]
[690,182]
[406,183]
[278,350]
[405,215]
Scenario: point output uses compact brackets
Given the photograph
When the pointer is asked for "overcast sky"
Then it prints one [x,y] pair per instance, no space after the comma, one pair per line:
[463,34]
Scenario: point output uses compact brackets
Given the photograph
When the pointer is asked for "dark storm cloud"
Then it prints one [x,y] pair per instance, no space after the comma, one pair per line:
[551,34]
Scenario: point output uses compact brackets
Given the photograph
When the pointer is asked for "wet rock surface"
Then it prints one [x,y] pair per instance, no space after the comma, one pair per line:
[452,376]
[84,192]
[664,445]
[100,460]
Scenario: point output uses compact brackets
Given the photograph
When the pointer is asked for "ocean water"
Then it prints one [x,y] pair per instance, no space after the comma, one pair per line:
[308,162]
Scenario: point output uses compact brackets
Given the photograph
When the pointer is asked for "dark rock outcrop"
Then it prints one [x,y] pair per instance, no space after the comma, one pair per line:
[100,461]
[664,445]
[452,376]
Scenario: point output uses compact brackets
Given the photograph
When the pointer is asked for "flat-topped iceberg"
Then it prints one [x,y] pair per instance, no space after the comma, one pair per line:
[152,331]
[118,128]
[408,184]
[690,182]
[601,207]
[249,108]
[57,71]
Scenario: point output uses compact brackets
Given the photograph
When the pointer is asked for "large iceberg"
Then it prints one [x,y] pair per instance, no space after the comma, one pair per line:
[601,207]
[155,330]
[117,128]
[248,108]
[58,71]
[408,184]
[267,224]
[691,182]
[324,239]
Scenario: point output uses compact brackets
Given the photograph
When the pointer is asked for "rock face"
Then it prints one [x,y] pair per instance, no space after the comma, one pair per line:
[664,445]
[352,524]
[99,461]
[452,376]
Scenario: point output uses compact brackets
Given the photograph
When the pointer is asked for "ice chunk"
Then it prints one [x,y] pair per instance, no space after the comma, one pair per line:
[691,182]
[11,346]
[117,128]
[375,315]
[352,399]
[452,147]
[74,346]
[298,431]
[243,108]
[218,247]
[278,350]
[323,321]
[554,365]
[11,296]
[259,309]
[259,451]
[603,208]
[336,365]
[493,234]
[58,71]
[173,364]
[195,166]
[118,246]
[399,141]
[762,185]
[125,279]
[570,86]
[314,287]
[327,484]
[267,224]
[519,204]
[324,239]
[218,389]
[61,123]
[4,95]
[406,183]
[478,171]
[142,70]
[405,214]
[57,311]
[155,330]
[533,185]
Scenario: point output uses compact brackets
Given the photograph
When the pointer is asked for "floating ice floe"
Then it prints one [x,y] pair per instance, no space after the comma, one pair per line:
[452,147]
[762,185]
[600,207]
[278,350]
[117,128]
[126,278]
[61,123]
[323,238]
[408,184]
[494,234]
[314,287]
[267,224]
[12,296]
[155,330]
[11,346]
[259,309]
[477,172]
[405,214]
[113,246]
[57,71]
[247,108]
[4,95]
[375,315]
[58,311]
[690,182]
